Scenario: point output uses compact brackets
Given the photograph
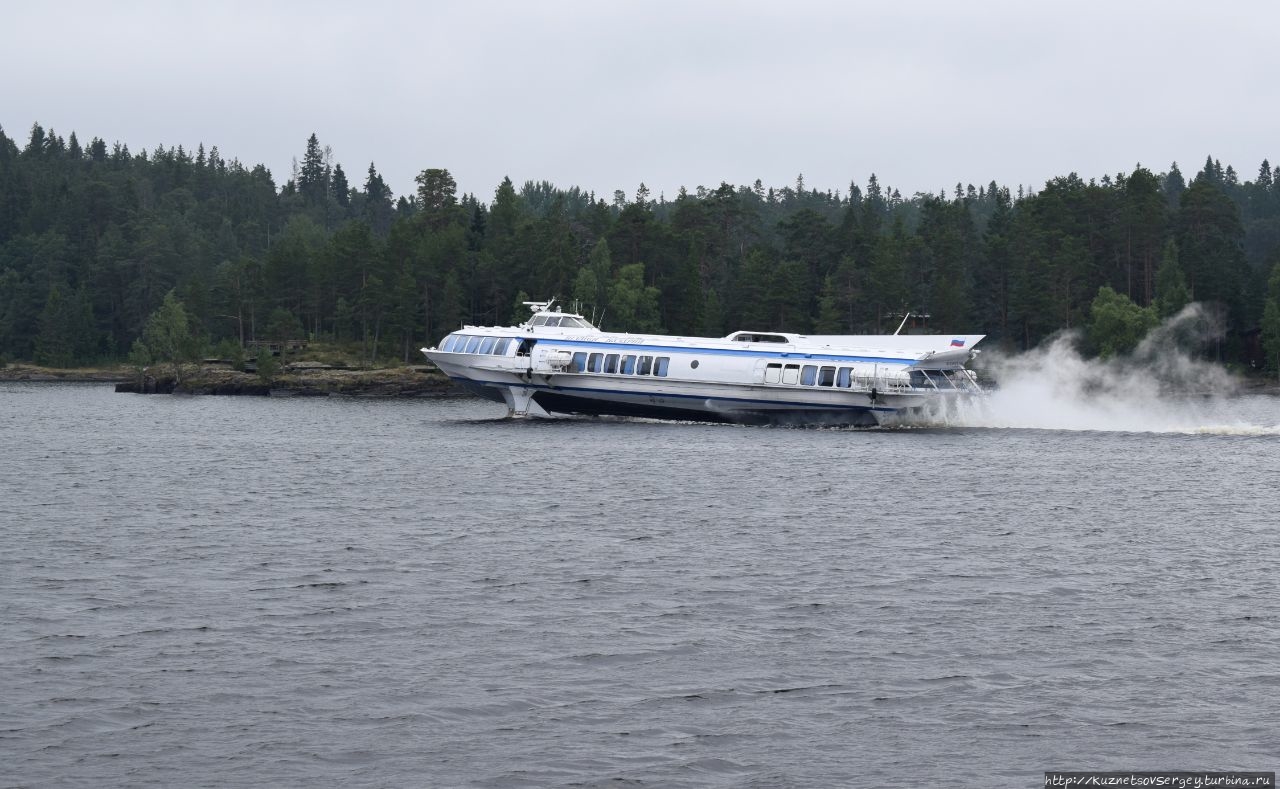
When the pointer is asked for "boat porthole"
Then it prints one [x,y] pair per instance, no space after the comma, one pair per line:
[694,364]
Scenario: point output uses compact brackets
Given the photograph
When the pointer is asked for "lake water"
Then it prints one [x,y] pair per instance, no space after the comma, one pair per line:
[206,591]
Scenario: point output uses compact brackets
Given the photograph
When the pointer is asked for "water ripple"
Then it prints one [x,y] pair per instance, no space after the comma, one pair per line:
[338,592]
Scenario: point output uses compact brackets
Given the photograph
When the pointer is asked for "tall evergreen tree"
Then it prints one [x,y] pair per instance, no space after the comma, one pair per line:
[437,191]
[378,210]
[1174,185]
[340,188]
[1143,228]
[313,184]
[1210,250]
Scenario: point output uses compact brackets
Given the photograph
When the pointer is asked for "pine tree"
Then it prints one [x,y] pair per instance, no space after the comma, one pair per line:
[437,191]
[36,142]
[378,211]
[312,183]
[1210,250]
[341,190]
[1143,217]
[1174,185]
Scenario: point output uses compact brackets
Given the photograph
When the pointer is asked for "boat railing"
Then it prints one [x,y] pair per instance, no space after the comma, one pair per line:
[961,380]
[880,383]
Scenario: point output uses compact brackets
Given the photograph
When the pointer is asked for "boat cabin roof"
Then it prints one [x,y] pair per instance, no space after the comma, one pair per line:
[755,336]
[544,316]
[562,319]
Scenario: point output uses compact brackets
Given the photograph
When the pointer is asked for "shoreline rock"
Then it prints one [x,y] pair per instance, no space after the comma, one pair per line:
[305,382]
[29,372]
[297,380]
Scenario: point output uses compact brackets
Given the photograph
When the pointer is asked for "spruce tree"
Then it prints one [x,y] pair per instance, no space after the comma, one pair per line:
[312,183]
[340,188]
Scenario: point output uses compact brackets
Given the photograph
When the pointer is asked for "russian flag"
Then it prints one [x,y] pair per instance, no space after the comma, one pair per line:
[957,343]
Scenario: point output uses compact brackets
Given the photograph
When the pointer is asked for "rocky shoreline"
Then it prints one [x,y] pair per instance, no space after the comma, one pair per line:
[293,381]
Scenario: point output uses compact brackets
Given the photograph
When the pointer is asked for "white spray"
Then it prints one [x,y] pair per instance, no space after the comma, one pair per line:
[1159,388]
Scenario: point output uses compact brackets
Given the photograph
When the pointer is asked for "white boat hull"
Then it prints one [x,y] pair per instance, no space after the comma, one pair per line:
[558,364]
[541,394]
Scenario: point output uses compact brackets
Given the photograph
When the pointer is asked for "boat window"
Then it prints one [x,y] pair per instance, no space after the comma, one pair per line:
[611,363]
[628,365]
[473,344]
[573,323]
[660,366]
[487,345]
[538,320]
[646,364]
[844,378]
[940,379]
[501,347]
[808,375]
[791,373]
[827,376]
[526,346]
[772,373]
[579,362]
[595,363]
[446,344]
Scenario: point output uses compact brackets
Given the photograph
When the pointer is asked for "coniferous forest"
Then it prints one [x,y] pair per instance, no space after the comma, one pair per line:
[94,236]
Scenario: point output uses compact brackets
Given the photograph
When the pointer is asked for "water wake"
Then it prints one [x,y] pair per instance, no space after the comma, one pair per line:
[1159,388]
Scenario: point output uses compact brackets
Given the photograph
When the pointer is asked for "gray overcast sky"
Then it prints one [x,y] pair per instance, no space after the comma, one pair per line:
[604,95]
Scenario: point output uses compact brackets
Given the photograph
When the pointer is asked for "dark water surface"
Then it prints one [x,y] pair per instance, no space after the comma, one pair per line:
[216,591]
